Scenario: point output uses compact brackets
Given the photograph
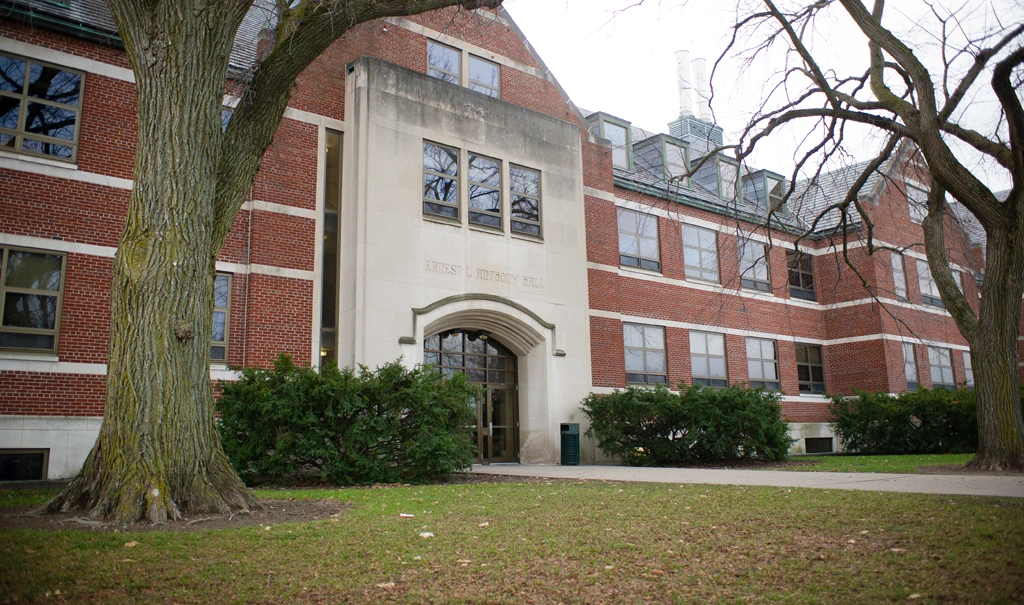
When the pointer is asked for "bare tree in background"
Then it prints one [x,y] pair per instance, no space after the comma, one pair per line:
[158,453]
[899,97]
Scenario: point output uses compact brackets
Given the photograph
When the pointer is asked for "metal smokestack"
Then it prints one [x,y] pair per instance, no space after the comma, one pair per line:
[700,73]
[685,85]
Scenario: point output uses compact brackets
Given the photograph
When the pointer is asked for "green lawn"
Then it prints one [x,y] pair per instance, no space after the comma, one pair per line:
[557,542]
[841,463]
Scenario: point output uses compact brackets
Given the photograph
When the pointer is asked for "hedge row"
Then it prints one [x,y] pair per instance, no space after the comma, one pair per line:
[656,427]
[387,425]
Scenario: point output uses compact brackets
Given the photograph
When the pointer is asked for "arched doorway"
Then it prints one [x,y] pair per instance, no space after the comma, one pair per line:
[489,364]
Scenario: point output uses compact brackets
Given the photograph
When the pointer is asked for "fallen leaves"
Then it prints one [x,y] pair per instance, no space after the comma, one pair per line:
[131,544]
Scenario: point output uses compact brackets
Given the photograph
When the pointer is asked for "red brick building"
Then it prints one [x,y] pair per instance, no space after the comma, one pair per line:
[547,254]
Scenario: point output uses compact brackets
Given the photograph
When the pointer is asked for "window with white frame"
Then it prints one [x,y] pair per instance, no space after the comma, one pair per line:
[929,289]
[484,76]
[31,292]
[40,108]
[917,200]
[221,318]
[700,253]
[941,364]
[753,265]
[968,370]
[440,181]
[910,366]
[444,62]
[707,359]
[645,354]
[899,276]
[763,364]
[638,240]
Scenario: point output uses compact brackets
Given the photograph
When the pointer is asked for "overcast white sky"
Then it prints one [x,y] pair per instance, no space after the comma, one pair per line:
[622,61]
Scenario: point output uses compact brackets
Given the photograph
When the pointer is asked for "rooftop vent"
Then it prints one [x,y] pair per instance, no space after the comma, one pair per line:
[689,126]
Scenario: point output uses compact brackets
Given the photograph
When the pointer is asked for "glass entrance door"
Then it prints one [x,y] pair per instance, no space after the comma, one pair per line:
[491,366]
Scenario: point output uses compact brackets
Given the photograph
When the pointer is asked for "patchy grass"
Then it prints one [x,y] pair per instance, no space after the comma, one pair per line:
[841,463]
[551,542]
[17,498]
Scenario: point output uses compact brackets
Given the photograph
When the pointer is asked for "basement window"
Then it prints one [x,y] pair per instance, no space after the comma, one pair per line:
[24,465]
[818,445]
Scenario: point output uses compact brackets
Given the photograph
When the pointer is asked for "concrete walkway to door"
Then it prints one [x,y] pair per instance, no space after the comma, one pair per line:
[1010,486]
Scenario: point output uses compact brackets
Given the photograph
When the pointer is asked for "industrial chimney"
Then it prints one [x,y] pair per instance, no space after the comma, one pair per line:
[685,86]
[703,91]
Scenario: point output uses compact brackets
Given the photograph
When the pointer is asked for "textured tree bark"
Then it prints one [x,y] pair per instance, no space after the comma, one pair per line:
[158,453]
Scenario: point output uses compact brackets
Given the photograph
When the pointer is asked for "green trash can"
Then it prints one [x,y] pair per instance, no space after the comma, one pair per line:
[570,445]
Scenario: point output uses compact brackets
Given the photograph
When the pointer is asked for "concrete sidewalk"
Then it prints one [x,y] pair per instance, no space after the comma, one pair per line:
[960,485]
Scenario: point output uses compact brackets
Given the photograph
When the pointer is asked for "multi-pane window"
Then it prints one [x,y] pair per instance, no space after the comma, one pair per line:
[700,253]
[329,278]
[30,298]
[763,364]
[619,136]
[525,207]
[810,369]
[929,289]
[484,191]
[39,108]
[645,354]
[444,62]
[910,366]
[968,370]
[941,363]
[221,317]
[917,200]
[707,359]
[638,240]
[440,181]
[484,76]
[801,274]
[753,265]
[899,276]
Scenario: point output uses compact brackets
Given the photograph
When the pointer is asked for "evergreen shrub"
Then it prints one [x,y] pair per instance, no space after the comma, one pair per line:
[387,425]
[656,427]
[928,421]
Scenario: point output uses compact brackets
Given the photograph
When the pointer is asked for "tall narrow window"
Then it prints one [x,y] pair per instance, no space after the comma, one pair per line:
[941,364]
[484,191]
[39,108]
[801,274]
[645,354]
[638,240]
[810,369]
[677,164]
[440,181]
[707,359]
[332,221]
[910,366]
[968,370]
[728,173]
[484,76]
[524,208]
[619,136]
[221,318]
[31,285]
[754,265]
[700,253]
[917,200]
[929,289]
[899,276]
[444,62]
[763,364]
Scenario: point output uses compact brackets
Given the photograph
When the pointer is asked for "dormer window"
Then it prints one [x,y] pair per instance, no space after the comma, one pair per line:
[618,132]
[766,190]
[663,158]
[718,175]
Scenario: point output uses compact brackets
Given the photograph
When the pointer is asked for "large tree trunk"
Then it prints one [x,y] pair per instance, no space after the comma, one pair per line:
[158,453]
[994,356]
